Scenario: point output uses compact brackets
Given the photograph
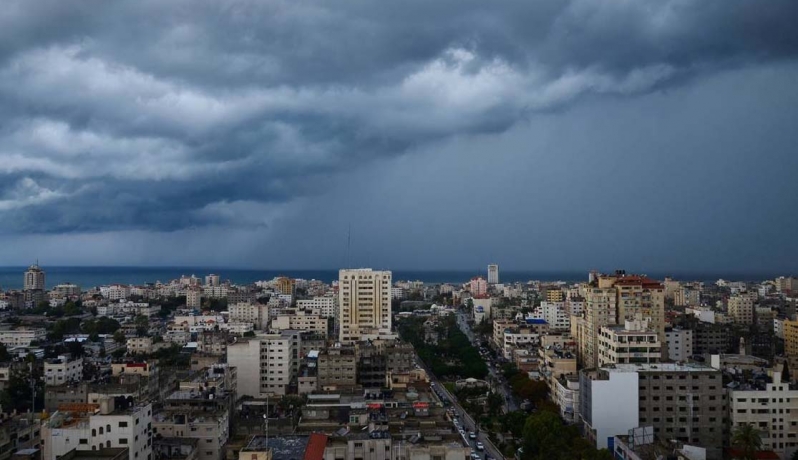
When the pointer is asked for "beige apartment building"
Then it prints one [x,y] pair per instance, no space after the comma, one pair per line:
[741,308]
[364,299]
[634,342]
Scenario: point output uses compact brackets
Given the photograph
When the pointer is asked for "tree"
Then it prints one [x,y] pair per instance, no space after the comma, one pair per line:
[5,356]
[119,337]
[75,349]
[249,334]
[746,438]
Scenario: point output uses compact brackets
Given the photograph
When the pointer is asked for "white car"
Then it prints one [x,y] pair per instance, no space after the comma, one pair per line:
[480,446]
[462,432]
[472,435]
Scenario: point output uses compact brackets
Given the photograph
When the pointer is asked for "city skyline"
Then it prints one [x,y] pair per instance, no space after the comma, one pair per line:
[553,136]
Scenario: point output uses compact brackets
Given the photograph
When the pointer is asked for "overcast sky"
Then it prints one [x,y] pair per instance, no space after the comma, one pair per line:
[541,135]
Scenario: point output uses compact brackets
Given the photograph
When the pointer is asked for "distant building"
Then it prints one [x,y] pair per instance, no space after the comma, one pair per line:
[493,274]
[193,297]
[478,286]
[212,280]
[34,279]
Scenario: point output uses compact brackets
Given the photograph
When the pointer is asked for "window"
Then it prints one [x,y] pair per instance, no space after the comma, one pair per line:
[83,441]
[123,441]
[122,424]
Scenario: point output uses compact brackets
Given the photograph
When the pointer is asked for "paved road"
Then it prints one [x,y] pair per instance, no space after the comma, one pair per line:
[465,420]
[510,403]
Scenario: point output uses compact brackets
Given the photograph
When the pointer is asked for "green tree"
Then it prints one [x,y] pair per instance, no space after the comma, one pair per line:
[5,356]
[747,439]
[119,337]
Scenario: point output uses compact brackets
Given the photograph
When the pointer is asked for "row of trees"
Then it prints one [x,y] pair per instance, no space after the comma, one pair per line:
[453,355]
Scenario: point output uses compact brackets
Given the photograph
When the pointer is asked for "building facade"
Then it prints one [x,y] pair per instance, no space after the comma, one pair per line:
[364,302]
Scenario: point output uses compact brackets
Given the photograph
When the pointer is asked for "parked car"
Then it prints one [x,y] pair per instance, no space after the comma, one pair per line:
[480,446]
[472,435]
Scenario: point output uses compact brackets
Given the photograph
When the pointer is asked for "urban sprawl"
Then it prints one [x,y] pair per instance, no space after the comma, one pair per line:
[370,368]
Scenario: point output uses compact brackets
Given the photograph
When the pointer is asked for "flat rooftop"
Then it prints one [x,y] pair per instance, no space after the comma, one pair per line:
[659,367]
[282,447]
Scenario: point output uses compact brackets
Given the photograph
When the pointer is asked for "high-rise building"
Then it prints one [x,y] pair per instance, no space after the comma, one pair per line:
[34,278]
[364,304]
[493,274]
[212,280]
[600,310]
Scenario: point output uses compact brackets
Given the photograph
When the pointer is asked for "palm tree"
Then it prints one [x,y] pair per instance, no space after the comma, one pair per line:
[747,439]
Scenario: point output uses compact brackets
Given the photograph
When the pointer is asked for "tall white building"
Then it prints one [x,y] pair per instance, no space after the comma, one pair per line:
[493,274]
[267,364]
[554,314]
[212,280]
[34,278]
[364,302]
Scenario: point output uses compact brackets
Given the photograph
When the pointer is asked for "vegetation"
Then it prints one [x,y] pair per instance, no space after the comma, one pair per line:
[746,438]
[101,325]
[17,394]
[453,356]
[545,437]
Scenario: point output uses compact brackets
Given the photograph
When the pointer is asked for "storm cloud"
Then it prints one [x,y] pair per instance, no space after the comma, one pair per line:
[152,116]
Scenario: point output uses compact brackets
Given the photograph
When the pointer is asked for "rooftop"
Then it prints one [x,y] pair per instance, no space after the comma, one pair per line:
[283,447]
[659,367]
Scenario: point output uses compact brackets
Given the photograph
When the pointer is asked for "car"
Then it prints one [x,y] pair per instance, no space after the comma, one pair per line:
[472,435]
[462,431]
[475,456]
[480,446]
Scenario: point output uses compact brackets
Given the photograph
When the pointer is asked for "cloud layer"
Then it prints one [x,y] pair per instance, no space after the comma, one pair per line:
[162,116]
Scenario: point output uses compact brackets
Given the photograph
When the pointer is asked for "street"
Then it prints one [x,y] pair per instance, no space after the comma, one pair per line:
[465,420]
[510,403]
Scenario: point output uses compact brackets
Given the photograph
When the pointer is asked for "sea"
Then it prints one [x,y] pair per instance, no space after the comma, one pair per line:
[88,277]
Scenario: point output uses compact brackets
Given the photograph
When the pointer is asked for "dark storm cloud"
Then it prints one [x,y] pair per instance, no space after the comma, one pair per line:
[151,115]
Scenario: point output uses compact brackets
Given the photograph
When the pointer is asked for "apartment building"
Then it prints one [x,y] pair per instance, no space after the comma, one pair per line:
[680,344]
[245,312]
[120,424]
[63,369]
[194,296]
[323,306]
[773,411]
[22,337]
[682,402]
[741,308]
[364,302]
[317,325]
[600,310]
[565,393]
[791,338]
[139,345]
[337,367]
[554,314]
[267,364]
[634,342]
